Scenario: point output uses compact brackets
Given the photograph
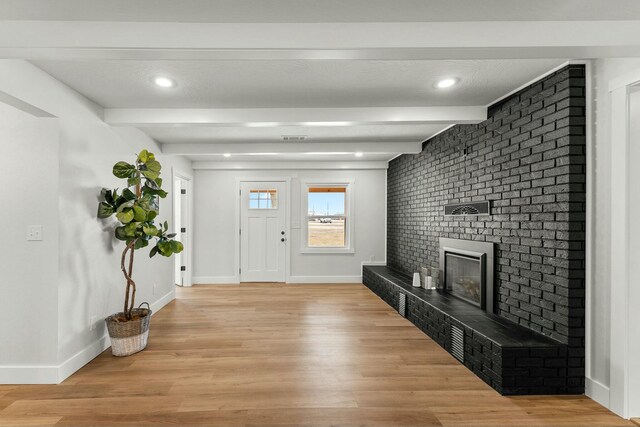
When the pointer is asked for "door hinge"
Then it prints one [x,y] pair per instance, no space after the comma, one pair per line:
[183,230]
[240,270]
[183,268]
[183,191]
[240,230]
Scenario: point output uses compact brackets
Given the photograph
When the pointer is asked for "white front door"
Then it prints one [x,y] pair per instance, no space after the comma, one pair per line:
[263,236]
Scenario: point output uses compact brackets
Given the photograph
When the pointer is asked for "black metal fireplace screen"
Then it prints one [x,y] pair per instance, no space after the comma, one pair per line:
[466,271]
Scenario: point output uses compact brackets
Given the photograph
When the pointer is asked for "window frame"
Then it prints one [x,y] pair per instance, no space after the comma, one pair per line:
[349,186]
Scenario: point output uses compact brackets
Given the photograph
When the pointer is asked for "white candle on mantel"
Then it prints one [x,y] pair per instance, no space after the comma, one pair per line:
[429,282]
[416,280]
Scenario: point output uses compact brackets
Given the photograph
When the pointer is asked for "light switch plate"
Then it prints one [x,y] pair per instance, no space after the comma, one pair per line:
[34,233]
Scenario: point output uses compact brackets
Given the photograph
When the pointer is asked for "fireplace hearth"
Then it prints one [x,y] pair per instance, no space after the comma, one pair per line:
[466,271]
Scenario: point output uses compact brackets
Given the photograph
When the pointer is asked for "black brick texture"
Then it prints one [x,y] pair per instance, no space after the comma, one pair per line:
[540,367]
[528,158]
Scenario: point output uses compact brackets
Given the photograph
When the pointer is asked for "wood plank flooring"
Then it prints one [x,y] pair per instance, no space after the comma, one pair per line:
[285,355]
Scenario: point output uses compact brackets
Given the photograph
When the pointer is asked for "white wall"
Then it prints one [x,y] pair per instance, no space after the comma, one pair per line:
[598,375]
[28,270]
[90,282]
[215,246]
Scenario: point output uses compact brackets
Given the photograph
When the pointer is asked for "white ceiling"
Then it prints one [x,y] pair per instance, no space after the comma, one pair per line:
[300,67]
[295,83]
[318,11]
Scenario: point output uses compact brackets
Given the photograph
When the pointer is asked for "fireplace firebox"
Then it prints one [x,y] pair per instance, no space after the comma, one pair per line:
[466,271]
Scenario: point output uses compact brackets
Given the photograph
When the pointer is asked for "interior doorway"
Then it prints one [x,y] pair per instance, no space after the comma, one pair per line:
[181,226]
[263,233]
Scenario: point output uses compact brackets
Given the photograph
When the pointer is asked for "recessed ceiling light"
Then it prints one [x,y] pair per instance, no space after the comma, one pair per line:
[227,155]
[446,83]
[359,154]
[165,82]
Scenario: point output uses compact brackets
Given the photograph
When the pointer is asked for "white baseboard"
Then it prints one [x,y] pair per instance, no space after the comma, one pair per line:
[37,374]
[597,391]
[34,374]
[156,306]
[81,358]
[325,279]
[215,280]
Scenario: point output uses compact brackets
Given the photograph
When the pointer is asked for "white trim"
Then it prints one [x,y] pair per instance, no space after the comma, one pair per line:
[81,358]
[52,374]
[29,374]
[293,165]
[621,311]
[215,280]
[349,183]
[177,173]
[324,279]
[597,391]
[589,213]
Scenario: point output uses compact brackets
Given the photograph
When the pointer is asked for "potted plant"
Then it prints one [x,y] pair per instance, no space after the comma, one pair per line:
[136,209]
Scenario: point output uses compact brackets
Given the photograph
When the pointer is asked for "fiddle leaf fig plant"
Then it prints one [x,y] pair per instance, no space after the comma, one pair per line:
[136,209]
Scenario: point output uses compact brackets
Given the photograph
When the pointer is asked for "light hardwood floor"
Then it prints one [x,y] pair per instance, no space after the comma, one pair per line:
[285,355]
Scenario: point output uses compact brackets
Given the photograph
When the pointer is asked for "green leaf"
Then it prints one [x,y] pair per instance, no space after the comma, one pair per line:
[133,181]
[164,247]
[141,243]
[149,174]
[105,210]
[128,195]
[159,182]
[125,216]
[153,252]
[139,214]
[123,170]
[176,247]
[143,157]
[151,215]
[166,226]
[131,229]
[150,230]
[125,205]
[108,196]
[120,234]
[154,166]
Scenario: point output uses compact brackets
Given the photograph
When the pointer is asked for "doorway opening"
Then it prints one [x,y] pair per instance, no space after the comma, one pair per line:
[182,226]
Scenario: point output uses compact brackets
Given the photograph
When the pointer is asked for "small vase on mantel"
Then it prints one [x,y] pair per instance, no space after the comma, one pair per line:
[416,280]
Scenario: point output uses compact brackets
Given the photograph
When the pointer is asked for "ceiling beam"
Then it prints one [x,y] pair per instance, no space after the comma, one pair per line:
[349,41]
[275,148]
[271,117]
[280,165]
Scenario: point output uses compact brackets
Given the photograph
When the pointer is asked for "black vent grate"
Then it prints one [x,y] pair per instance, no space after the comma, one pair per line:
[402,304]
[476,208]
[457,343]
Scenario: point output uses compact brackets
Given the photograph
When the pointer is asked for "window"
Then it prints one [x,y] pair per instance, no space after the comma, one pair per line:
[327,221]
[263,199]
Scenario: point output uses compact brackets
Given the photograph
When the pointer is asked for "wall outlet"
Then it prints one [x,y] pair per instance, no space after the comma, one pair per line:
[92,323]
[34,233]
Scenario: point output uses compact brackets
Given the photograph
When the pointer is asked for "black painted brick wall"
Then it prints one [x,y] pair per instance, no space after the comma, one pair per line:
[529,159]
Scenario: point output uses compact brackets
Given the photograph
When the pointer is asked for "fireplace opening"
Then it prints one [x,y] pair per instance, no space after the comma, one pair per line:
[466,271]
[464,277]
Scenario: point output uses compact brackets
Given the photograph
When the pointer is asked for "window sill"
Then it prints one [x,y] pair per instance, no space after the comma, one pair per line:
[327,250]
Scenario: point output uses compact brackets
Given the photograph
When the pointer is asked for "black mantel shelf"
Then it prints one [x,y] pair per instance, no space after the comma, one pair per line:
[510,358]
[501,331]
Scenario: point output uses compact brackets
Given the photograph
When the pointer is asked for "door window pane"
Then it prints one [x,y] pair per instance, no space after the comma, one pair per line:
[327,217]
[263,199]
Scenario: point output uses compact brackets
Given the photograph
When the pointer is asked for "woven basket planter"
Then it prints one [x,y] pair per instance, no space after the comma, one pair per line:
[129,337]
